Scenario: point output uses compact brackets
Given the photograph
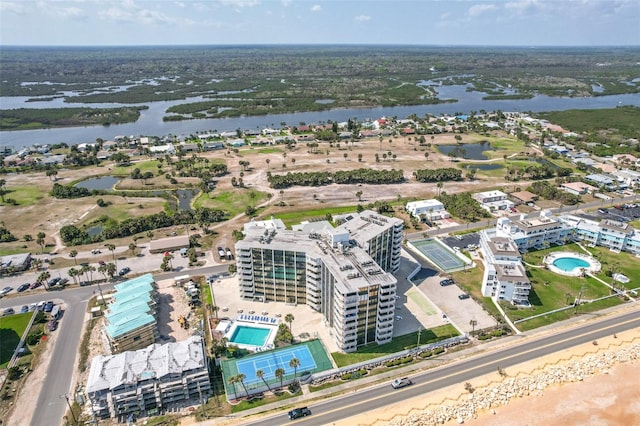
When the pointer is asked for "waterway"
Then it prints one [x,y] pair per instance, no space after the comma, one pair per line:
[150,122]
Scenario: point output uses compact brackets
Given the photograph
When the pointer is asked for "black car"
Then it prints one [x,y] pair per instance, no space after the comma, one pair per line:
[54,281]
[463,296]
[48,306]
[299,412]
[446,282]
[124,271]
[23,287]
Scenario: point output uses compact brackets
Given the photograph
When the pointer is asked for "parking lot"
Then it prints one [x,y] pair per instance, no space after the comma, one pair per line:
[623,213]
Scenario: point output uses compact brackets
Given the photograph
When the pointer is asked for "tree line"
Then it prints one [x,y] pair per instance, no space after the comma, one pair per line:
[340,177]
[72,235]
[462,205]
[437,175]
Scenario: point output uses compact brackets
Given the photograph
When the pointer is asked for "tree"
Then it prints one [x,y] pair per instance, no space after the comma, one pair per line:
[473,324]
[3,191]
[241,378]
[51,172]
[426,155]
[73,274]
[43,278]
[73,254]
[111,270]
[289,318]
[267,161]
[40,240]
[260,375]
[232,381]
[359,195]
[279,373]
[294,363]
[132,248]
[112,249]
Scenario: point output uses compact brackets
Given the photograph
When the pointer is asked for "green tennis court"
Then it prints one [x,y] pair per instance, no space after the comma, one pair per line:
[438,254]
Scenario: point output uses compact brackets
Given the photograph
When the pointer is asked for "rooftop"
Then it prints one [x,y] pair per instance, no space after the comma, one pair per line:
[155,361]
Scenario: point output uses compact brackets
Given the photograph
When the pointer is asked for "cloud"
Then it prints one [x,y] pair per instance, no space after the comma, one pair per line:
[479,9]
[180,4]
[316,8]
[362,18]
[524,7]
[237,4]
[9,6]
[129,11]
[285,2]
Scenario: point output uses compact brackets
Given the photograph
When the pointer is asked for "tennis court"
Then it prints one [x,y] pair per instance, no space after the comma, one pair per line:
[438,254]
[311,355]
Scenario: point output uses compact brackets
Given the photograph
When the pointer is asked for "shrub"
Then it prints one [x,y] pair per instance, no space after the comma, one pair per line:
[426,354]
[34,338]
[438,351]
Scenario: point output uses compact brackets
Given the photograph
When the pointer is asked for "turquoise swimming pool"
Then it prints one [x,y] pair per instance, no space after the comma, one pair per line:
[246,335]
[568,264]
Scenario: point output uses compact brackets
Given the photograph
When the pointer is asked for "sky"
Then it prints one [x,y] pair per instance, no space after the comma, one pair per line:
[239,22]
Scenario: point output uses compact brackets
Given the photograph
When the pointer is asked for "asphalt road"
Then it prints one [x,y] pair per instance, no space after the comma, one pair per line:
[51,403]
[332,411]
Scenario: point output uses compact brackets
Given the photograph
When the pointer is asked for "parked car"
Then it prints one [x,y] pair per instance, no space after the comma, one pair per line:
[446,282]
[463,296]
[8,311]
[6,290]
[63,281]
[400,383]
[221,252]
[124,271]
[48,307]
[35,285]
[52,325]
[54,281]
[101,262]
[24,309]
[229,254]
[95,251]
[299,412]
[23,287]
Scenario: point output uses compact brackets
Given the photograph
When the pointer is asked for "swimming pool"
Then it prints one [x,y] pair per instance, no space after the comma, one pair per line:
[571,264]
[568,264]
[246,335]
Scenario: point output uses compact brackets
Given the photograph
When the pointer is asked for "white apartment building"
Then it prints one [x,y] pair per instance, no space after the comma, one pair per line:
[618,236]
[534,233]
[493,200]
[148,381]
[429,209]
[345,273]
[504,277]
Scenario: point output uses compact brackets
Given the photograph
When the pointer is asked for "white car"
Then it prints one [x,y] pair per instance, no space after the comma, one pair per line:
[400,383]
[398,317]
[6,290]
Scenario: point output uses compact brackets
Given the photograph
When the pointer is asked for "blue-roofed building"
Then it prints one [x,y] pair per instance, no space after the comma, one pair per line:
[131,321]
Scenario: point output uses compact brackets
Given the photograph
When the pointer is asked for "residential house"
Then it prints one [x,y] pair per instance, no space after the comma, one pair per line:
[493,201]
[427,209]
[577,188]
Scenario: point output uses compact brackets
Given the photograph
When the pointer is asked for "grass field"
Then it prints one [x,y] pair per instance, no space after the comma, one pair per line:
[26,195]
[231,202]
[398,344]
[294,217]
[11,330]
[144,166]
[626,119]
[419,299]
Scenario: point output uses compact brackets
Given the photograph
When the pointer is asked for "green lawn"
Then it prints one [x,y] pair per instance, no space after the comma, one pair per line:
[398,344]
[624,263]
[294,217]
[233,203]
[11,329]
[567,314]
[25,195]
[144,166]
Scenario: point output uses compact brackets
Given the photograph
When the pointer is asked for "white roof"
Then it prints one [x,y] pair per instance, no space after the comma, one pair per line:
[155,361]
[423,204]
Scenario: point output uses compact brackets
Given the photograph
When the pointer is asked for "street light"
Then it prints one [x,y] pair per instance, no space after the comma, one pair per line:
[419,331]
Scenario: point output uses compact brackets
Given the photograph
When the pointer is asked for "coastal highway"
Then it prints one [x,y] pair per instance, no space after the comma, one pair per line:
[51,403]
[333,411]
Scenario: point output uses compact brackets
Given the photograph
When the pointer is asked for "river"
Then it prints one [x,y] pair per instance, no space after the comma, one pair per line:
[150,122]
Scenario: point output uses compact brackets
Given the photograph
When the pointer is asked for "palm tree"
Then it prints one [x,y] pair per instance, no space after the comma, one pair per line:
[289,318]
[43,278]
[40,240]
[294,363]
[133,247]
[73,254]
[260,375]
[241,378]
[103,270]
[73,273]
[112,249]
[232,381]
[279,373]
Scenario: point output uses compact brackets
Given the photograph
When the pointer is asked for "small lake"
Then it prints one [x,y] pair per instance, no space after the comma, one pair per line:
[487,166]
[468,151]
[94,230]
[106,183]
[184,197]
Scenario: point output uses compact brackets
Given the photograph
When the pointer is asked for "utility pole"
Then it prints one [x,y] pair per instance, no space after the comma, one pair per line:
[419,331]
[66,396]
[579,299]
